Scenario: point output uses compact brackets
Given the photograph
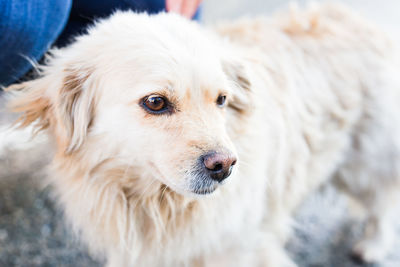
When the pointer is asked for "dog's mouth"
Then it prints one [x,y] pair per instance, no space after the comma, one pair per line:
[198,185]
[205,191]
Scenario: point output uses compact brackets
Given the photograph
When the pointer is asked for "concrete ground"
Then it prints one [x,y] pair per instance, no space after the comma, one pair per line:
[32,228]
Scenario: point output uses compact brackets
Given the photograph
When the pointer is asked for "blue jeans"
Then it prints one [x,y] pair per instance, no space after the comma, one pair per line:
[29,27]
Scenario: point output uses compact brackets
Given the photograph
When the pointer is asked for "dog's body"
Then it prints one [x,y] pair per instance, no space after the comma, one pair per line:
[312,96]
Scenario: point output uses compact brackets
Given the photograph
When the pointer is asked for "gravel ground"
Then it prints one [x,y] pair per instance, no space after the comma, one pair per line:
[34,233]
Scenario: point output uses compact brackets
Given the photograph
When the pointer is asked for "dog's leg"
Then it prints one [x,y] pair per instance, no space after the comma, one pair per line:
[380,201]
[379,228]
[371,175]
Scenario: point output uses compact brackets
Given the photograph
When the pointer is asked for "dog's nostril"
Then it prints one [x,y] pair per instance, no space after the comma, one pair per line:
[217,167]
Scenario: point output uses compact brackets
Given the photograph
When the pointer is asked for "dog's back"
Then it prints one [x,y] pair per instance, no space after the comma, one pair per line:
[334,78]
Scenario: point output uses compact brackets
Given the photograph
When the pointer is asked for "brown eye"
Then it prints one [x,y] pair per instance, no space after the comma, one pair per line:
[221,100]
[155,103]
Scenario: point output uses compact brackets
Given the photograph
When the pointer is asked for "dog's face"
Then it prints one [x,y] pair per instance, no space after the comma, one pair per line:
[173,124]
[151,91]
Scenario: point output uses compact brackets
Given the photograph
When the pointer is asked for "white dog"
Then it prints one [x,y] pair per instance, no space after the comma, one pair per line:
[177,145]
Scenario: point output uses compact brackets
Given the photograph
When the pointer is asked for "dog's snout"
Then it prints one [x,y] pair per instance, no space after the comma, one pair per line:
[219,165]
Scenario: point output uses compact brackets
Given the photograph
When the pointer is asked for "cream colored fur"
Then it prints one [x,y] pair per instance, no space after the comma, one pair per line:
[313,96]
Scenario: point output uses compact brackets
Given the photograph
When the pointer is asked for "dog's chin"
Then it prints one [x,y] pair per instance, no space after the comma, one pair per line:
[195,189]
[197,192]
[205,191]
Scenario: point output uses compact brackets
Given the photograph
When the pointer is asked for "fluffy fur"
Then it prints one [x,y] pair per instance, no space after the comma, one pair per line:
[312,97]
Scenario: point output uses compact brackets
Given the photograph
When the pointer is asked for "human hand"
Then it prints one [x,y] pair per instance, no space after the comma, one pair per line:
[186,8]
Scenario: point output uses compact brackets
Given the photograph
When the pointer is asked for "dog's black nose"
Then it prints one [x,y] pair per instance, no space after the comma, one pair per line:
[219,165]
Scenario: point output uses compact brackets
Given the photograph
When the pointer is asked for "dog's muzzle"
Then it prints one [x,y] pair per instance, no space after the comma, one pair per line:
[214,168]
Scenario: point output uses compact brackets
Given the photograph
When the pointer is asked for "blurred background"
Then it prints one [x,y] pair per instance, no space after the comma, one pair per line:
[32,229]
[384,12]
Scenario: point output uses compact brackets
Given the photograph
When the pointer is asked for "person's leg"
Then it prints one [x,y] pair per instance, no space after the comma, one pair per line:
[27,29]
[84,12]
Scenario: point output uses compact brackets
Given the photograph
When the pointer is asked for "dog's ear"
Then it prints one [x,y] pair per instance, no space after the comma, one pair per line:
[29,99]
[240,82]
[75,107]
[61,101]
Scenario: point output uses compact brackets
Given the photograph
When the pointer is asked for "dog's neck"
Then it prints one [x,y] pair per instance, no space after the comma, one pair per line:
[120,205]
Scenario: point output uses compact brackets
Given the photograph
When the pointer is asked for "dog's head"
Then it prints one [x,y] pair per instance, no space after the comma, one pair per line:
[154,92]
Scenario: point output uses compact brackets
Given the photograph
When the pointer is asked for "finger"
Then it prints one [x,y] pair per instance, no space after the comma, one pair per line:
[189,8]
[174,6]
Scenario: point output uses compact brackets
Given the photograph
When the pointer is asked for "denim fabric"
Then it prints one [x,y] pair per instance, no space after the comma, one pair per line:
[29,27]
[84,12]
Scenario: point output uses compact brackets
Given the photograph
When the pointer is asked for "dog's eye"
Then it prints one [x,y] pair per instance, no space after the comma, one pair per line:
[155,104]
[221,100]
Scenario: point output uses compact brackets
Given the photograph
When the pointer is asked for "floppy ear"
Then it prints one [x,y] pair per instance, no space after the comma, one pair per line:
[61,101]
[241,85]
[75,106]
[30,101]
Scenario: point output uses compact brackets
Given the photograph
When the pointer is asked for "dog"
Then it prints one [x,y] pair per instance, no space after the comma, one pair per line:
[180,145]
